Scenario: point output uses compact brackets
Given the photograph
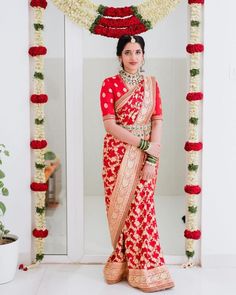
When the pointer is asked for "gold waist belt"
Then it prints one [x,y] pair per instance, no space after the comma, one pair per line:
[139,130]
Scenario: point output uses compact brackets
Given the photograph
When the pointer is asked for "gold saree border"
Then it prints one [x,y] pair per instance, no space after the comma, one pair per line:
[114,272]
[120,200]
[130,167]
[124,98]
[150,280]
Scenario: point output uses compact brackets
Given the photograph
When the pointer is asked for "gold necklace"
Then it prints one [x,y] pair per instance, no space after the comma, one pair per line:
[131,79]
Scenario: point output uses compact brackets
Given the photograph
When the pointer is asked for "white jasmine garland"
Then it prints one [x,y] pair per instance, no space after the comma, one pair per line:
[192,177]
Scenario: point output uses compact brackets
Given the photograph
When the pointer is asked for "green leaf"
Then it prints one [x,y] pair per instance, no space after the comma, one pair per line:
[7,153]
[39,257]
[0,162]
[49,156]
[192,209]
[40,210]
[3,145]
[2,175]
[2,208]
[192,167]
[5,191]
[39,166]
[38,121]
[1,184]
[189,253]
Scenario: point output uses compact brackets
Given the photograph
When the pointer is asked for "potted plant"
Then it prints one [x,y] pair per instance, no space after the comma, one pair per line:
[8,242]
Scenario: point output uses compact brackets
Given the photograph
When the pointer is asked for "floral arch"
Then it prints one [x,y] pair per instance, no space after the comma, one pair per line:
[113,22]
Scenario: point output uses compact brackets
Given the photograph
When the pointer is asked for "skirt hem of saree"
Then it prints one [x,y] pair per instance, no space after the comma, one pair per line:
[150,280]
[147,280]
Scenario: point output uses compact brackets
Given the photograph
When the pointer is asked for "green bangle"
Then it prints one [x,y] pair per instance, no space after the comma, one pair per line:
[144,144]
[151,161]
[152,157]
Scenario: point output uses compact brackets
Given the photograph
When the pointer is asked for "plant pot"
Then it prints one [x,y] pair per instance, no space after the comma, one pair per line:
[8,259]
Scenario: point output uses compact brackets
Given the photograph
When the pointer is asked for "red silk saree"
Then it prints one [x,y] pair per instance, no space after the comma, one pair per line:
[129,200]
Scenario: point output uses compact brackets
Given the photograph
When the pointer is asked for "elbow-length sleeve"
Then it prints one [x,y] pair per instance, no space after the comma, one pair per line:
[157,114]
[107,100]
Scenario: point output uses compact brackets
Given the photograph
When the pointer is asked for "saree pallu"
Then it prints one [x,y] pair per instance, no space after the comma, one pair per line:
[129,199]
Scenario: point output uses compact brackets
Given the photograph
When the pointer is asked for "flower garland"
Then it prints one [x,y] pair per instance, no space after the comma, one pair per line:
[38,144]
[113,22]
[193,146]
[116,21]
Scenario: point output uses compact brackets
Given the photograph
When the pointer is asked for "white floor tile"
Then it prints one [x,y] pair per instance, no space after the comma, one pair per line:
[70,279]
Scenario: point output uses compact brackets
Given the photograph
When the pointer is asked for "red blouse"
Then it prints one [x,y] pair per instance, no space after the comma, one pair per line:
[112,89]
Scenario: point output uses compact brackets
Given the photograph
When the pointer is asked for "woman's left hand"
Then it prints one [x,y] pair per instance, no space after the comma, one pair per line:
[148,172]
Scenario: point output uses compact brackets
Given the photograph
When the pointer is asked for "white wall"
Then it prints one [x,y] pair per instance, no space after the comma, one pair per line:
[219,120]
[15,118]
[219,140]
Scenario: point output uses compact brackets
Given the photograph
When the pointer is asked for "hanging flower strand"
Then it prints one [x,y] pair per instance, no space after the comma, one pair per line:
[39,143]
[193,146]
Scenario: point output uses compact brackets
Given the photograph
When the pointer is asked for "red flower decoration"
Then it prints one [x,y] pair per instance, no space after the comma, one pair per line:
[192,48]
[118,11]
[39,233]
[119,22]
[37,50]
[195,235]
[192,189]
[39,3]
[117,32]
[39,187]
[193,146]
[195,1]
[21,266]
[38,144]
[194,96]
[39,98]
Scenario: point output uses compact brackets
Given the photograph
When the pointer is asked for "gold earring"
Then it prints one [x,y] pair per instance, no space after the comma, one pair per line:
[141,68]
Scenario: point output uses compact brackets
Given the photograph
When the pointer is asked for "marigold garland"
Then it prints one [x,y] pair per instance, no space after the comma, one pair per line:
[193,146]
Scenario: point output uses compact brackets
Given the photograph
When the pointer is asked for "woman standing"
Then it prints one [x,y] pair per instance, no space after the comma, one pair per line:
[132,116]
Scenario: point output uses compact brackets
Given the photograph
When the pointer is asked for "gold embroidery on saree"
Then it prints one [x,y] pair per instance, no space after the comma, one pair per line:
[151,279]
[129,171]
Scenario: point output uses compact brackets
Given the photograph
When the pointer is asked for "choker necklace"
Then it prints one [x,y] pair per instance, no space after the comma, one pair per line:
[131,79]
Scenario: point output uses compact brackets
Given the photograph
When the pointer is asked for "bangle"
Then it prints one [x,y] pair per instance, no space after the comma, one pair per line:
[152,164]
[144,144]
[148,147]
[152,157]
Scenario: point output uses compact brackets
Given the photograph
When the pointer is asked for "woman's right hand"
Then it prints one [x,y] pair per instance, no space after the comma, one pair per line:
[154,149]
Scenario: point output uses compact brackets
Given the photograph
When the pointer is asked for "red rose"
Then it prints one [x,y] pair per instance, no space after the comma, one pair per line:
[192,189]
[195,235]
[118,11]
[37,50]
[194,96]
[39,187]
[192,48]
[39,233]
[193,146]
[39,98]
[195,1]
[39,3]
[38,144]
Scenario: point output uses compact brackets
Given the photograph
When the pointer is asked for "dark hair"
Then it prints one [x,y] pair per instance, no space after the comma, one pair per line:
[124,39]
